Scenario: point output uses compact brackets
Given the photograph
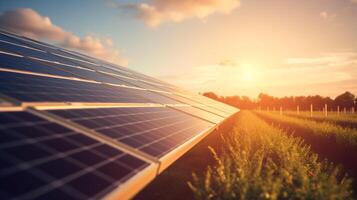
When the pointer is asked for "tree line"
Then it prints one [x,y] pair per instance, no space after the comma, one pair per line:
[347,100]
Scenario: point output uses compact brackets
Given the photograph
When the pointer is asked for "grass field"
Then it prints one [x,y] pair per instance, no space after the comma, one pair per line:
[261,155]
[345,120]
[259,161]
[342,134]
[333,142]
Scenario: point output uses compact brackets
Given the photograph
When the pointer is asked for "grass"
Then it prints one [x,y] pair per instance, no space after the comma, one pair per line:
[259,161]
[343,135]
[345,120]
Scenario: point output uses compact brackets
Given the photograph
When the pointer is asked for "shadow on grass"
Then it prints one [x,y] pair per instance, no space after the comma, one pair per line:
[172,183]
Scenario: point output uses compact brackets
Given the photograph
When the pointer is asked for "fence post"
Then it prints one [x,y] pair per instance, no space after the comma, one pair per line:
[338,110]
[268,108]
[353,110]
[311,109]
[344,110]
[325,110]
[281,110]
[298,110]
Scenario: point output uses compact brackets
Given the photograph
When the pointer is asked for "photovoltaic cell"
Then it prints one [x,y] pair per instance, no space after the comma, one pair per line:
[25,51]
[198,104]
[31,88]
[134,77]
[22,63]
[159,98]
[215,104]
[154,130]
[43,160]
[52,68]
[30,48]
[88,74]
[133,81]
[200,113]
[44,67]
[80,56]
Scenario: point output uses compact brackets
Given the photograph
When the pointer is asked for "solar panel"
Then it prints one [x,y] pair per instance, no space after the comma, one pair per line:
[25,51]
[85,73]
[43,160]
[32,88]
[154,130]
[21,63]
[5,37]
[197,103]
[76,127]
[204,114]
[35,50]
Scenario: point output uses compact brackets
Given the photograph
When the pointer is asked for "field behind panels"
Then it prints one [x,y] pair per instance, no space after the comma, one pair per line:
[273,155]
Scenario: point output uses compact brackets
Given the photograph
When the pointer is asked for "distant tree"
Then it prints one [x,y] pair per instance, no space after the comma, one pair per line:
[265,100]
[346,99]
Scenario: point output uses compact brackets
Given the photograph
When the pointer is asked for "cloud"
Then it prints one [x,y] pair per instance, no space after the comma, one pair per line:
[327,16]
[324,59]
[228,63]
[156,12]
[28,22]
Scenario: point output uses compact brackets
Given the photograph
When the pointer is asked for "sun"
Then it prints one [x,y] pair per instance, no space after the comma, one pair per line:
[247,76]
[248,73]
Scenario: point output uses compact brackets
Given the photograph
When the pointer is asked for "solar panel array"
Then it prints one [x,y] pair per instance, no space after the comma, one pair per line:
[76,127]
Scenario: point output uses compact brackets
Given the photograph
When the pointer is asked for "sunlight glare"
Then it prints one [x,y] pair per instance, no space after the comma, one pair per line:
[248,73]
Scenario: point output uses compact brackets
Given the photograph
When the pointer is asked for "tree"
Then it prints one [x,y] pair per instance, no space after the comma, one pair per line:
[346,100]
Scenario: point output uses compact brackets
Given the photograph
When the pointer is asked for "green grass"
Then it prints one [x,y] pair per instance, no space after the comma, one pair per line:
[343,135]
[347,120]
[258,161]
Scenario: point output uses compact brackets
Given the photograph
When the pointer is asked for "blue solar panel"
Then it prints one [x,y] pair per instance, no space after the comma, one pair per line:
[139,116]
[22,63]
[31,88]
[43,160]
[85,73]
[25,51]
[155,130]
[201,113]
[8,38]
[198,104]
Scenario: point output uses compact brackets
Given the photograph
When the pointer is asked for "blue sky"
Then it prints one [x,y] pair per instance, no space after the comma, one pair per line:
[257,39]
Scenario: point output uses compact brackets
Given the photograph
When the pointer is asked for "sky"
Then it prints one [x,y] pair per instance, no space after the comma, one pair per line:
[230,47]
